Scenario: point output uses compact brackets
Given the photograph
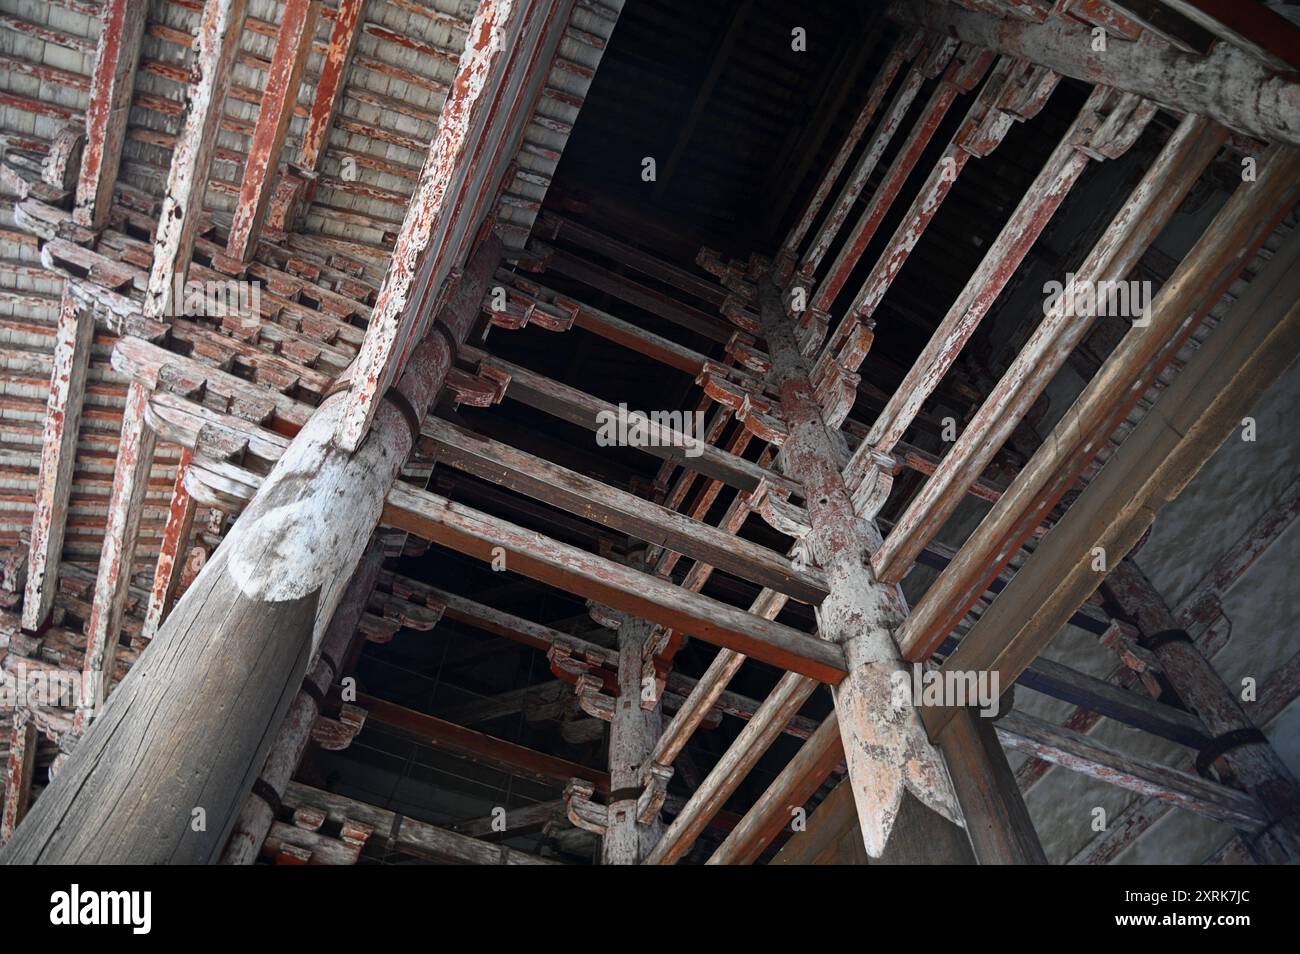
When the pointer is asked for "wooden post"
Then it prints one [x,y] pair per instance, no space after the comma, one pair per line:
[218,44]
[997,821]
[18,775]
[1243,749]
[885,743]
[135,449]
[71,359]
[112,83]
[162,774]
[632,735]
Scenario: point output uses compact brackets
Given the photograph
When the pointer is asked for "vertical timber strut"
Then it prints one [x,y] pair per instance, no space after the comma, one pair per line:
[885,744]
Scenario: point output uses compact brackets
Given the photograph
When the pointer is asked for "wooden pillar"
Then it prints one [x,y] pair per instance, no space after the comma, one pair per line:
[135,448]
[632,735]
[112,83]
[1245,753]
[71,359]
[18,773]
[218,44]
[885,744]
[162,774]
[292,46]
[257,814]
[997,821]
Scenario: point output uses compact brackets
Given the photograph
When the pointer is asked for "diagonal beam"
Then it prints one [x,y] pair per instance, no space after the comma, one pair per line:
[292,47]
[178,221]
[1151,204]
[112,83]
[171,555]
[71,358]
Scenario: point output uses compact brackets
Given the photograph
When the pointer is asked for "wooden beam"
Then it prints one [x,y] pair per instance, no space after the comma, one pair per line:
[1229,85]
[1080,753]
[618,509]
[70,360]
[23,738]
[112,84]
[442,521]
[218,45]
[329,85]
[171,550]
[506,59]
[402,833]
[1252,27]
[135,450]
[1191,292]
[292,47]
[479,747]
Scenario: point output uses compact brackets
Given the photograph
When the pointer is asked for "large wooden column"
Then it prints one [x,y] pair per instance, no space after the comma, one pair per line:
[885,744]
[162,774]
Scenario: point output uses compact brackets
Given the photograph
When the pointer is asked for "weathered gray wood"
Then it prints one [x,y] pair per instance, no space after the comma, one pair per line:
[1080,753]
[632,735]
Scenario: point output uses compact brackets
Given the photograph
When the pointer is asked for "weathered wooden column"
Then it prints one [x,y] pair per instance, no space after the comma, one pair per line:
[18,778]
[633,732]
[162,774]
[1235,739]
[885,744]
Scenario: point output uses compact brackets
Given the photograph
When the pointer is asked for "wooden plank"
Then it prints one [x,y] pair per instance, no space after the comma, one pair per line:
[330,83]
[506,58]
[112,83]
[178,221]
[71,358]
[171,550]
